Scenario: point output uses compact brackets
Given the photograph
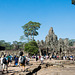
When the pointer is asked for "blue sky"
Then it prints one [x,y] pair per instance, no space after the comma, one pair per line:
[59,14]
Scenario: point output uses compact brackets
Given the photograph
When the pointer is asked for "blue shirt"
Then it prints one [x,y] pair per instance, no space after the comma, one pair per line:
[16,59]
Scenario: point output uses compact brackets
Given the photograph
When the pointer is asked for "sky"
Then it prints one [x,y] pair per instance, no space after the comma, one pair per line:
[59,14]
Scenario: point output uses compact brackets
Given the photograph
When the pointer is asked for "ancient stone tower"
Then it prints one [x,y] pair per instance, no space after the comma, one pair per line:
[52,45]
[51,41]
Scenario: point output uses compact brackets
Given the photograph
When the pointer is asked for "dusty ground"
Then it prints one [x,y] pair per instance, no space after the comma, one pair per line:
[70,70]
[66,69]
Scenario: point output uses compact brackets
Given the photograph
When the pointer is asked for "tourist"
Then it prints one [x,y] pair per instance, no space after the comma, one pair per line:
[14,56]
[5,64]
[23,61]
[64,58]
[2,60]
[57,57]
[16,60]
[46,56]
[36,58]
[41,59]
[33,56]
[50,57]
[27,60]
[19,61]
[10,60]
[73,58]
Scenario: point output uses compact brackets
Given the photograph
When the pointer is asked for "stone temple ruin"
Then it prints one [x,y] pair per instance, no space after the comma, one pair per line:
[53,46]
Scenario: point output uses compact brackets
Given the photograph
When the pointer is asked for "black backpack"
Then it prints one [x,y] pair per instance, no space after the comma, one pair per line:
[23,60]
[4,61]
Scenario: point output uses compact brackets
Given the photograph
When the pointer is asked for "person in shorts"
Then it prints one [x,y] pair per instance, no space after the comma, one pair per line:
[2,59]
[5,64]
[41,59]
[10,60]
[22,61]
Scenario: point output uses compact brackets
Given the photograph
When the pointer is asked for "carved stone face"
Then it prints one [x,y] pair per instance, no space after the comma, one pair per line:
[51,31]
[66,41]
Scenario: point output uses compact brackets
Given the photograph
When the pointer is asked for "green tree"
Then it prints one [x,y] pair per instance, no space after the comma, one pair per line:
[20,45]
[71,42]
[2,43]
[31,47]
[30,29]
[8,46]
[15,46]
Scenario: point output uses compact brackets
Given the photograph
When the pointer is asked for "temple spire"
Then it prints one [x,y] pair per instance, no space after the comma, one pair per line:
[51,30]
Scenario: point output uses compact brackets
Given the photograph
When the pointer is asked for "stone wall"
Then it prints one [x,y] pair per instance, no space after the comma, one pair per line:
[12,52]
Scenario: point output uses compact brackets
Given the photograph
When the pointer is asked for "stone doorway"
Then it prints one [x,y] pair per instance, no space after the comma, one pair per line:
[60,50]
[43,52]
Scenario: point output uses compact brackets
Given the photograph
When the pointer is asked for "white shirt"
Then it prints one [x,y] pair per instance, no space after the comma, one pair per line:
[1,60]
[20,59]
[41,59]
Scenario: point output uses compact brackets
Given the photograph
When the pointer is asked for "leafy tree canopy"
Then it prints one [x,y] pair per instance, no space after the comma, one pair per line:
[30,29]
[31,47]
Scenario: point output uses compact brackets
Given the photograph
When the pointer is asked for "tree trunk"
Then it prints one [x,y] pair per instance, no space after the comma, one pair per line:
[28,38]
[33,36]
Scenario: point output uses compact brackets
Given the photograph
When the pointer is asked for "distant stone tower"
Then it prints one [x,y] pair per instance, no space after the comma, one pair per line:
[51,31]
[51,40]
[52,45]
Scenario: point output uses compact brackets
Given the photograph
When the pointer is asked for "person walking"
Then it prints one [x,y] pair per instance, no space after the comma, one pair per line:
[41,59]
[16,60]
[50,57]
[19,61]
[2,60]
[10,60]
[5,64]
[22,61]
[36,58]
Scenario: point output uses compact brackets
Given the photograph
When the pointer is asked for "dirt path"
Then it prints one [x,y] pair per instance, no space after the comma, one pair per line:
[66,69]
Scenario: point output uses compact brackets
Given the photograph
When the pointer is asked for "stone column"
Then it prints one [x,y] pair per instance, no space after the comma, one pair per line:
[40,51]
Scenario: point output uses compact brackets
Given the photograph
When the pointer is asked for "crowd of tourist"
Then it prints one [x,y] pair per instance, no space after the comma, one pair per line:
[21,60]
[6,61]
